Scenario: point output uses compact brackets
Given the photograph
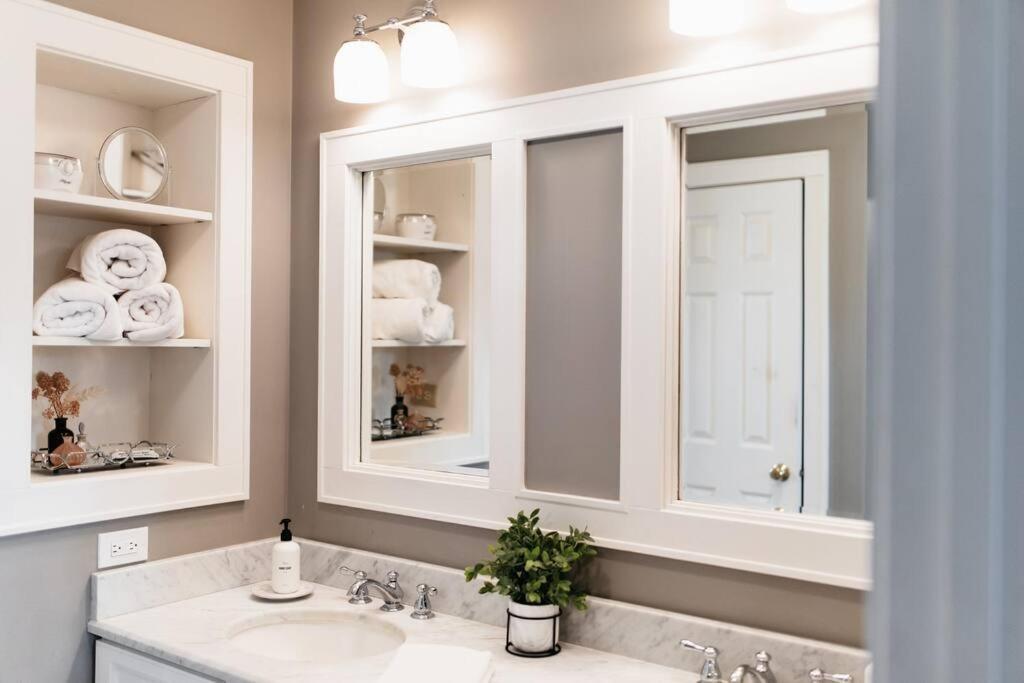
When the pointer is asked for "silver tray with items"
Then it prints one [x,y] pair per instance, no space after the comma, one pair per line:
[108,456]
[388,429]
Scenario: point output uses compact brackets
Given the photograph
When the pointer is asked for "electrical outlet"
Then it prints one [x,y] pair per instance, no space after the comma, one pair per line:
[122,547]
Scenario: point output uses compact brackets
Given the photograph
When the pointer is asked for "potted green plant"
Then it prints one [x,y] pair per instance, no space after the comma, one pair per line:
[537,571]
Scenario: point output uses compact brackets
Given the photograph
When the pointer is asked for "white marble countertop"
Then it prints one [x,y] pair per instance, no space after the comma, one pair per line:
[195,633]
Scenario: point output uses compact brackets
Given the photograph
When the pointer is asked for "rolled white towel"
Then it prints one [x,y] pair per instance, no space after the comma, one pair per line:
[75,308]
[429,663]
[439,325]
[407,279]
[401,319]
[118,260]
[152,313]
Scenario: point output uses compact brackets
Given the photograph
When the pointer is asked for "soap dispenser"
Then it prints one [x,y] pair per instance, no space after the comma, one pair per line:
[284,562]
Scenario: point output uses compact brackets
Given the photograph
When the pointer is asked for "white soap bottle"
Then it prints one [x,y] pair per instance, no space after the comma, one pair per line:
[284,562]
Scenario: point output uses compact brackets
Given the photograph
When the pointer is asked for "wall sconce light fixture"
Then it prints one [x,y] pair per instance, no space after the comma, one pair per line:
[701,18]
[823,6]
[430,57]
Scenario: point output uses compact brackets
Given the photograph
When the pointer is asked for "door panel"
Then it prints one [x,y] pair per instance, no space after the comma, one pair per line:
[742,358]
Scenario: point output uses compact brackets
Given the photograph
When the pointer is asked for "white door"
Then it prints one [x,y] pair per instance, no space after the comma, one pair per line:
[742,357]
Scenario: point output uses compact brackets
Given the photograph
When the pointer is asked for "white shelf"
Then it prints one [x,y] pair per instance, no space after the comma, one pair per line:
[395,344]
[55,203]
[440,435]
[404,245]
[81,341]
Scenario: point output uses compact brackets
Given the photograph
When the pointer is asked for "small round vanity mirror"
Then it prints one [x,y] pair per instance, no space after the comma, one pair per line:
[133,164]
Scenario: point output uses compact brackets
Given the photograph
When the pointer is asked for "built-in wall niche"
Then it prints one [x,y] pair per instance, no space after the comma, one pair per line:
[455,194]
[156,391]
[71,80]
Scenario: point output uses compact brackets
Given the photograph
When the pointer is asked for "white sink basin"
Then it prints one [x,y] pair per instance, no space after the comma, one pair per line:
[316,636]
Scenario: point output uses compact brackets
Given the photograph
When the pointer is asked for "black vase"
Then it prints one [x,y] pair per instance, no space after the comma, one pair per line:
[399,412]
[56,436]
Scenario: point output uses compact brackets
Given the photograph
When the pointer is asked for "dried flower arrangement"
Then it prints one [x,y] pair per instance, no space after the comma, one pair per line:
[409,382]
[64,399]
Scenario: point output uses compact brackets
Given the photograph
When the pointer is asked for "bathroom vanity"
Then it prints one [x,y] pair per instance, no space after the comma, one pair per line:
[194,618]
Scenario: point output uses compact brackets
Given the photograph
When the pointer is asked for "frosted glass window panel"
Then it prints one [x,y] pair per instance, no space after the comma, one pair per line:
[573,314]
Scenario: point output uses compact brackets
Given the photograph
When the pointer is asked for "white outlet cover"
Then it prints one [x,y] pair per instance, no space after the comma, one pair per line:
[122,547]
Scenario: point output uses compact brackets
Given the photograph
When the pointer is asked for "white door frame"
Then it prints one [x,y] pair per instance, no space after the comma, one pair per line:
[812,168]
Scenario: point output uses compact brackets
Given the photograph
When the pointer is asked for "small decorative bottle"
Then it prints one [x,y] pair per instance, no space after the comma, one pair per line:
[55,438]
[82,440]
[399,412]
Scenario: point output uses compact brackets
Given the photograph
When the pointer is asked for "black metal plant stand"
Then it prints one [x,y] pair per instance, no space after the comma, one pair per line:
[512,650]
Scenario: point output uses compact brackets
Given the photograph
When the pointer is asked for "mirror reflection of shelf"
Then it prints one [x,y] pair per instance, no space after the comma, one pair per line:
[404,245]
[67,205]
[396,344]
[454,193]
[128,343]
[385,444]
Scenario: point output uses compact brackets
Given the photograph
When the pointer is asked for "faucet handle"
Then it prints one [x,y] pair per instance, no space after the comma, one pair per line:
[709,673]
[819,675]
[358,573]
[422,608]
[354,598]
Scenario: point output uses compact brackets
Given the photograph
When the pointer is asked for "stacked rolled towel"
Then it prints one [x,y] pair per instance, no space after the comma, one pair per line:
[121,291]
[406,306]
[75,308]
[406,279]
[412,321]
[118,260]
[152,313]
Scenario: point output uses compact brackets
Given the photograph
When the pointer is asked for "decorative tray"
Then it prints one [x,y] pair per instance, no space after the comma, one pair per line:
[388,429]
[111,456]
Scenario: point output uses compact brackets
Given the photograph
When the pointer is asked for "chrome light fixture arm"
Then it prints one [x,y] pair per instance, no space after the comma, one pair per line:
[414,15]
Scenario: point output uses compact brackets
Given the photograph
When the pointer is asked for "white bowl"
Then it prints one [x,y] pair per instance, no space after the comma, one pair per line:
[416,226]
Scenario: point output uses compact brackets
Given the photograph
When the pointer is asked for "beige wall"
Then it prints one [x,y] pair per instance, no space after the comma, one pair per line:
[515,49]
[45,576]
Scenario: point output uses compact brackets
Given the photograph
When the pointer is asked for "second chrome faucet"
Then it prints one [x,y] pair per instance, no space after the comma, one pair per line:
[389,590]
[761,672]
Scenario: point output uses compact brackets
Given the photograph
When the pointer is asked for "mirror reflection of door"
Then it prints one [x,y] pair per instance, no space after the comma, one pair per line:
[772,313]
[742,343]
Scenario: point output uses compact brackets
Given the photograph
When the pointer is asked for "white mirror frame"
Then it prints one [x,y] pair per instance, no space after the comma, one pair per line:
[648,518]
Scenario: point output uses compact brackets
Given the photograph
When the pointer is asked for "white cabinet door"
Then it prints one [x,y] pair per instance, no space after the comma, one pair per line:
[115,664]
[742,357]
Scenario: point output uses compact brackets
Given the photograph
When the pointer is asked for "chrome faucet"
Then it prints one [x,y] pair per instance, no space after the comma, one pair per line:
[760,673]
[390,591]
[709,672]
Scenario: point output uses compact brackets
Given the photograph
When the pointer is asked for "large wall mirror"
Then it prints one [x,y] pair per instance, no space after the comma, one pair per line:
[640,306]
[773,307]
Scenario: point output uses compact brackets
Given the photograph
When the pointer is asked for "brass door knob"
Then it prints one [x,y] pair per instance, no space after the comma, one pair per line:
[780,472]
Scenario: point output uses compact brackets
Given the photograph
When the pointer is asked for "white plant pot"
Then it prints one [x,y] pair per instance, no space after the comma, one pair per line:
[530,636]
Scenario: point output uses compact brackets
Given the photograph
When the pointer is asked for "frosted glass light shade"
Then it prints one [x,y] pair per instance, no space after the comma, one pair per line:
[823,6]
[361,72]
[706,17]
[430,55]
